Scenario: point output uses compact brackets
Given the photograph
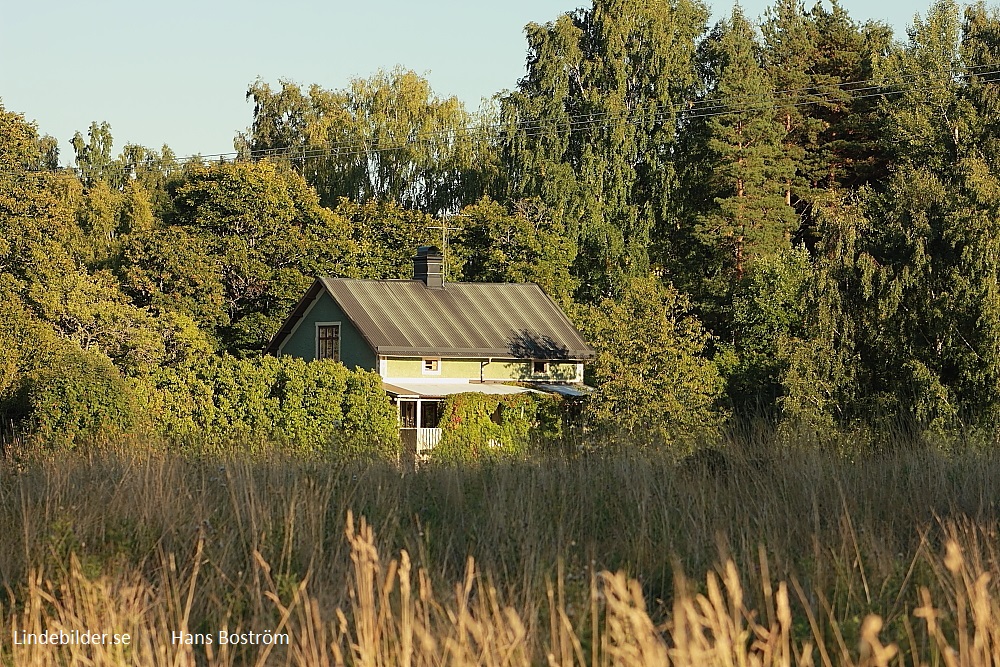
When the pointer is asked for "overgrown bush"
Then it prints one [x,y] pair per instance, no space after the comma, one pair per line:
[484,427]
[80,393]
[317,406]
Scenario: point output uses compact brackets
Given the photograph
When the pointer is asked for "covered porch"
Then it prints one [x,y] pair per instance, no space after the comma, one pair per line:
[419,405]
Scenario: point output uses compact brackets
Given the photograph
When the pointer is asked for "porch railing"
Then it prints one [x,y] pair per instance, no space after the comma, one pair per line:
[420,440]
[427,439]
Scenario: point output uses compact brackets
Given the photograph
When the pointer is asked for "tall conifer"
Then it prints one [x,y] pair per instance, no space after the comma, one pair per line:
[736,167]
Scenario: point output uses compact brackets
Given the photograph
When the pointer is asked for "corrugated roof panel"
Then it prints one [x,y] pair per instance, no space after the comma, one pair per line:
[496,319]
[446,388]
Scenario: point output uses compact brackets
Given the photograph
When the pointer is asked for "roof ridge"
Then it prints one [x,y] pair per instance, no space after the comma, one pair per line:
[504,320]
[417,280]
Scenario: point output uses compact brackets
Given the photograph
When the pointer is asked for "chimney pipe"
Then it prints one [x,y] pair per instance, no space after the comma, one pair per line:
[427,266]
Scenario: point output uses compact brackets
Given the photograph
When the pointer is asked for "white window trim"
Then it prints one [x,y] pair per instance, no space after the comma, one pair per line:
[340,339]
[423,368]
[546,367]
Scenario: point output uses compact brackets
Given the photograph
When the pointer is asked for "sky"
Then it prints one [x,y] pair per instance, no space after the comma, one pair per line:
[177,72]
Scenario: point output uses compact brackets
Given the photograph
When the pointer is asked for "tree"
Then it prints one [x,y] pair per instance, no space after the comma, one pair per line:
[981,46]
[590,129]
[905,319]
[175,270]
[36,223]
[93,157]
[386,236]
[736,175]
[387,138]
[269,237]
[790,52]
[523,245]
[818,61]
[650,370]
[766,312]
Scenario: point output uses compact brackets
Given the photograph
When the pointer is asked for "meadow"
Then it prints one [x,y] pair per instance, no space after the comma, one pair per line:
[794,555]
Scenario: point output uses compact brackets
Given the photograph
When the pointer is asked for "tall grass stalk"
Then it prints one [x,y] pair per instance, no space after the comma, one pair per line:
[788,560]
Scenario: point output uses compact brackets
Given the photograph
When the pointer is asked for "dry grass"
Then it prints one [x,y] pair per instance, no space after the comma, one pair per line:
[806,560]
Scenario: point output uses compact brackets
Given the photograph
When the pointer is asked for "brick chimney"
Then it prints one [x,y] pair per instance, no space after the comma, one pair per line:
[427,265]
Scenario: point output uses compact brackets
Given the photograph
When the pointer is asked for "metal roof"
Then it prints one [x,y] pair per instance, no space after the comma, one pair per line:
[406,318]
[447,388]
[571,391]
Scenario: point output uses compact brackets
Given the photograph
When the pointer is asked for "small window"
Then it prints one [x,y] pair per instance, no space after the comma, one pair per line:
[407,414]
[328,341]
[430,414]
[540,367]
[432,366]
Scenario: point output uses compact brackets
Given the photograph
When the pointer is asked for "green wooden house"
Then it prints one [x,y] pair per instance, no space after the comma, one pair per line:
[429,339]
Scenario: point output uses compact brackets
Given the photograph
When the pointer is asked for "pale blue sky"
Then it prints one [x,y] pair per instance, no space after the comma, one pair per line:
[177,72]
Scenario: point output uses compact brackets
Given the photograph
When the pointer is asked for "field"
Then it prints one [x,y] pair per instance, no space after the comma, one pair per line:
[789,557]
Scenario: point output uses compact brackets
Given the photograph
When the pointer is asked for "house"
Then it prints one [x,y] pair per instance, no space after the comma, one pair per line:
[429,339]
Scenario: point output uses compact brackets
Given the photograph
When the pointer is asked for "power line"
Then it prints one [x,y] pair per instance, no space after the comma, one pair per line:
[693,109]
[584,122]
[578,121]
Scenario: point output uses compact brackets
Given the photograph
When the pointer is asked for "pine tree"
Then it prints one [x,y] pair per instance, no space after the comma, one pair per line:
[736,170]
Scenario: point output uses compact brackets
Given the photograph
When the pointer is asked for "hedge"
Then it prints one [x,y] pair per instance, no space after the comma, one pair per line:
[486,427]
[318,406]
[77,394]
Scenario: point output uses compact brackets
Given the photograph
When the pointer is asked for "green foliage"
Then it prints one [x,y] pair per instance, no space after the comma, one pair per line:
[628,66]
[635,152]
[477,428]
[386,236]
[78,394]
[258,230]
[93,156]
[317,406]
[830,135]
[526,245]
[737,172]
[905,310]
[106,216]
[420,152]
[175,269]
[651,374]
[767,310]
[370,429]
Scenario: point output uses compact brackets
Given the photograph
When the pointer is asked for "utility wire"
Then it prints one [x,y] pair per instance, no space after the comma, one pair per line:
[584,122]
[693,109]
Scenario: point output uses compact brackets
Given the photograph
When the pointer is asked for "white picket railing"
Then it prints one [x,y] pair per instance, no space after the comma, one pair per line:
[427,439]
[420,441]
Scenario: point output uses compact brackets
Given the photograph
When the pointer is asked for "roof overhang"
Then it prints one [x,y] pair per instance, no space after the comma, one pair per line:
[441,389]
[568,390]
[569,356]
[298,312]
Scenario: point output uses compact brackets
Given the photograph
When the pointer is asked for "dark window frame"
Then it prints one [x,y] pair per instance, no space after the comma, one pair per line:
[328,340]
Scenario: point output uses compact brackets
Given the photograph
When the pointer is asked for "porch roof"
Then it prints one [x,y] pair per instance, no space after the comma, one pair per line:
[439,389]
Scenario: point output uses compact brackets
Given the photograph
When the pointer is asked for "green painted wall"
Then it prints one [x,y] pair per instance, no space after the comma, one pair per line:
[468,369]
[354,351]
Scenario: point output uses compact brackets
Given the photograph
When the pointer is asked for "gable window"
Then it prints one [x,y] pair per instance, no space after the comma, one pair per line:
[328,341]
[539,367]
[432,366]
